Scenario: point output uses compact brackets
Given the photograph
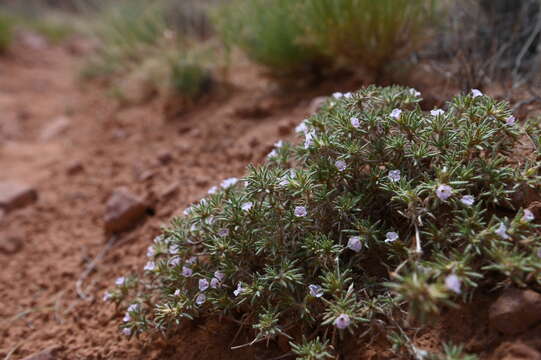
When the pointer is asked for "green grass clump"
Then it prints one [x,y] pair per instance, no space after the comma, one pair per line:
[289,35]
[152,48]
[270,33]
[382,214]
[127,31]
[190,79]
[6,32]
[366,32]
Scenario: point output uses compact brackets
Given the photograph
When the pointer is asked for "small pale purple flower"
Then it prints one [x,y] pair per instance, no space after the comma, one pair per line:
[174,249]
[354,243]
[213,190]
[355,122]
[467,200]
[476,93]
[391,236]
[340,165]
[120,281]
[452,282]
[337,95]
[200,299]
[309,139]
[187,211]
[214,283]
[174,261]
[107,296]
[126,318]
[219,275]
[158,239]
[395,114]
[528,215]
[203,284]
[150,266]
[177,292]
[342,321]
[444,192]
[348,95]
[437,112]
[301,127]
[126,331]
[501,231]
[239,289]
[315,290]
[394,175]
[186,271]
[300,211]
[133,307]
[510,121]
[223,232]
[247,206]
[227,183]
[272,154]
[279,144]
[150,251]
[414,92]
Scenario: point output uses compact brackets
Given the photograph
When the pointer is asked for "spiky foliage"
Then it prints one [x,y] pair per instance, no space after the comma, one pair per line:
[383,213]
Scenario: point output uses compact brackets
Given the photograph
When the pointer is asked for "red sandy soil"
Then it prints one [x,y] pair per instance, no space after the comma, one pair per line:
[46,247]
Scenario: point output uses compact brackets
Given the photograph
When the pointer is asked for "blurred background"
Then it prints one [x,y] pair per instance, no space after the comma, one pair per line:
[187,46]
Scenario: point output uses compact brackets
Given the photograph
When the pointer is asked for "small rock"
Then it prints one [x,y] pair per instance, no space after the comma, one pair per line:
[515,311]
[75,167]
[47,354]
[169,191]
[123,211]
[55,128]
[202,181]
[10,245]
[517,351]
[145,175]
[33,40]
[15,195]
[165,157]
[316,104]
[285,127]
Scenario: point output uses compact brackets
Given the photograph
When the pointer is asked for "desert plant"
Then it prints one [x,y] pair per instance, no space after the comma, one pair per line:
[300,34]
[127,30]
[383,213]
[6,32]
[190,79]
[366,32]
[270,34]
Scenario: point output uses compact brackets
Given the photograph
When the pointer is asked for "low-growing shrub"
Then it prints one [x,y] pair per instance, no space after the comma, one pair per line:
[383,214]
